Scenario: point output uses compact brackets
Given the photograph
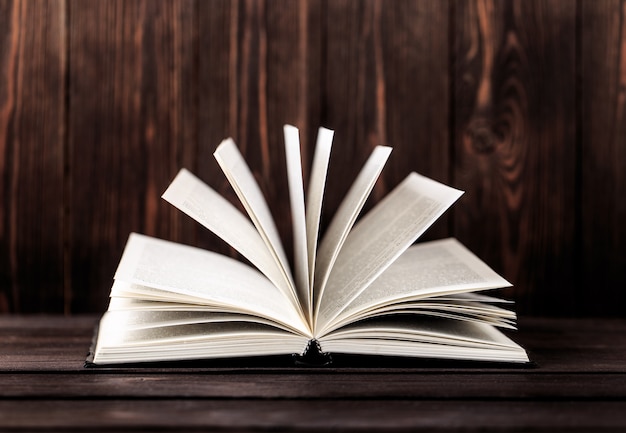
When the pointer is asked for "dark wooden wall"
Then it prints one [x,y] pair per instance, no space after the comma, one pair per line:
[520,103]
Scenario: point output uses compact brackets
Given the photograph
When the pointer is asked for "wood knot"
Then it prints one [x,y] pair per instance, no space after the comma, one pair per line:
[480,138]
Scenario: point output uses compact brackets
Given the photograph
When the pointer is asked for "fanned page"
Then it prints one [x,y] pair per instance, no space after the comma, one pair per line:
[196,199]
[314,198]
[144,336]
[241,179]
[424,337]
[379,238]
[428,272]
[345,217]
[209,278]
[298,218]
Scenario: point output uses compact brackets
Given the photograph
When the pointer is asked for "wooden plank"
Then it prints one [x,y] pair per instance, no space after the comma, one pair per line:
[515,153]
[385,81]
[314,415]
[221,93]
[318,385]
[258,61]
[352,70]
[295,44]
[414,60]
[32,132]
[49,343]
[131,127]
[290,75]
[603,152]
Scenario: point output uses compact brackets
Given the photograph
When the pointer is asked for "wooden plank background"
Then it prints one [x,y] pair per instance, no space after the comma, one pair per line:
[522,104]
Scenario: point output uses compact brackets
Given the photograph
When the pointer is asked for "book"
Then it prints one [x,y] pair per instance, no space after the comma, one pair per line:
[365,287]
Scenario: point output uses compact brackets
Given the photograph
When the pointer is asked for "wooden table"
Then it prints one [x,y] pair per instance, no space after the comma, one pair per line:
[578,383]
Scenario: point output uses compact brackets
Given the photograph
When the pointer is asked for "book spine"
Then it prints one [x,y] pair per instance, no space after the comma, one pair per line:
[313,356]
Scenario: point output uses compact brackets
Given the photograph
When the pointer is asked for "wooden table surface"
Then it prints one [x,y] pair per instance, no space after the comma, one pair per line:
[577,383]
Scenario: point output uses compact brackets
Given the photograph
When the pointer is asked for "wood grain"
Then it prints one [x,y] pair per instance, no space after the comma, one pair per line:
[519,103]
[354,92]
[316,415]
[132,123]
[603,155]
[414,73]
[324,415]
[384,68]
[32,136]
[515,139]
[329,385]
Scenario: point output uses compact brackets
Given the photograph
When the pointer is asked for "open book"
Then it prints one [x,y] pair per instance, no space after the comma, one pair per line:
[362,288]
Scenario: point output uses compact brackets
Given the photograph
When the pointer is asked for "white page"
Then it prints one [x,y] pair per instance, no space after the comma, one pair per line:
[345,217]
[143,296]
[429,269]
[198,200]
[218,279]
[437,338]
[425,329]
[152,316]
[247,189]
[296,199]
[380,237]
[489,315]
[117,344]
[315,197]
